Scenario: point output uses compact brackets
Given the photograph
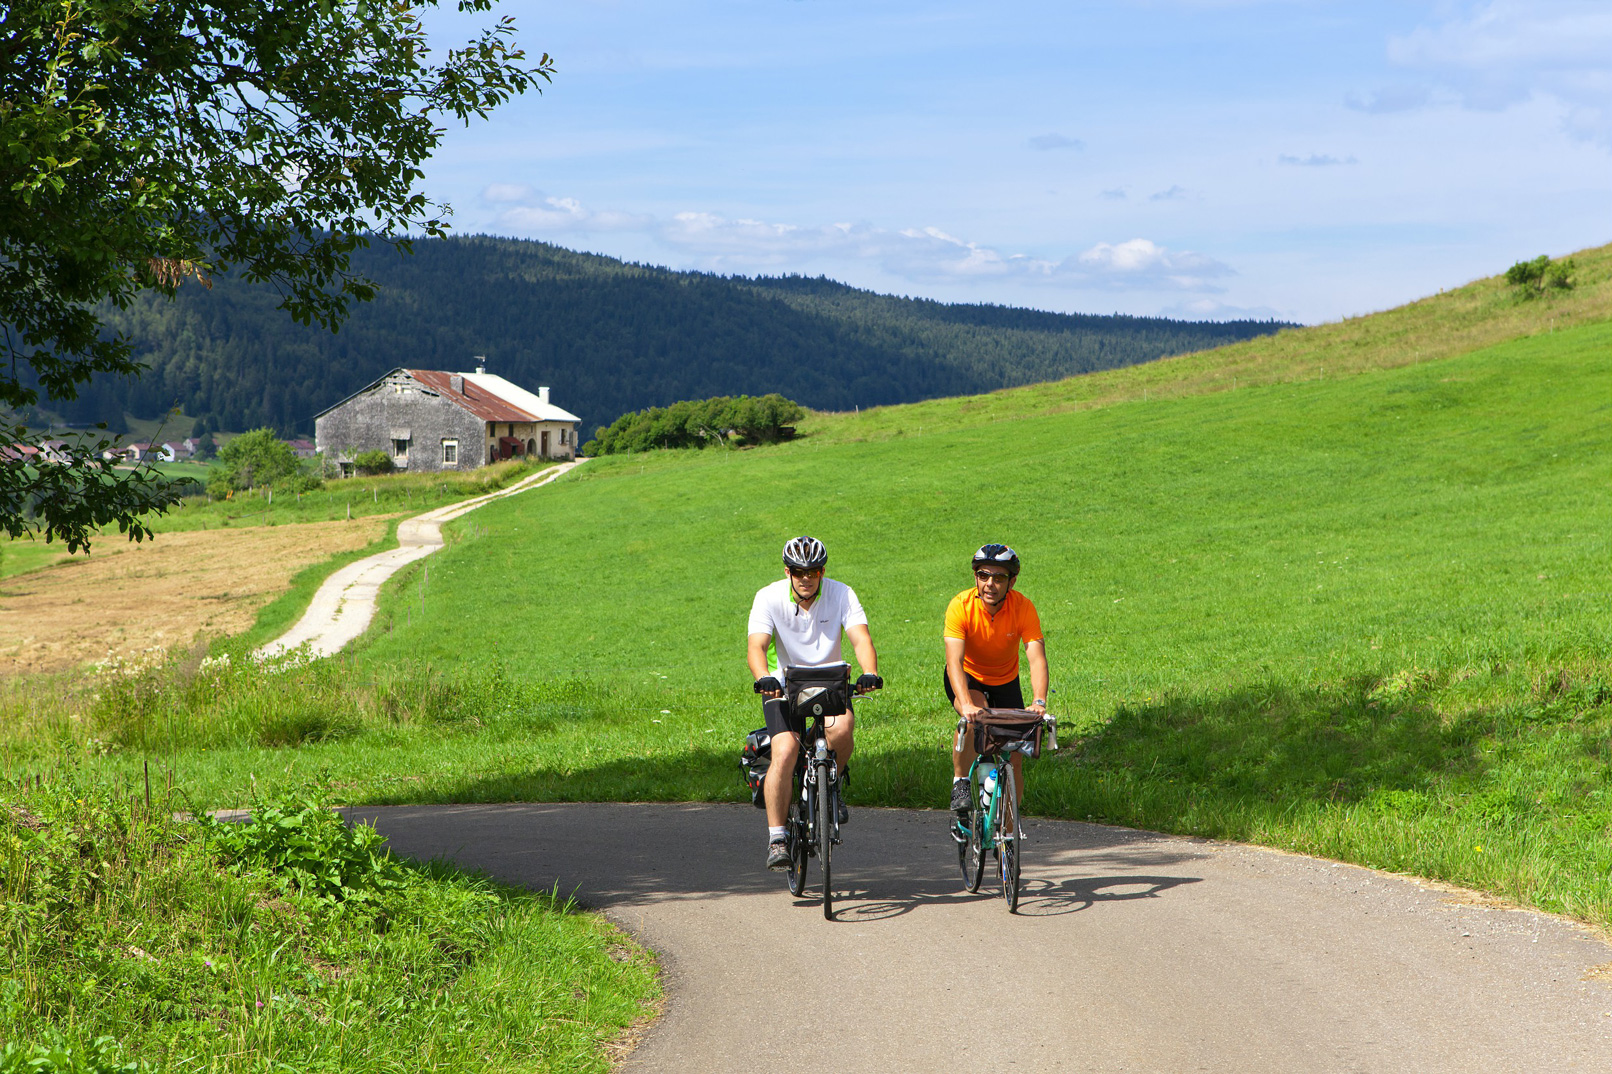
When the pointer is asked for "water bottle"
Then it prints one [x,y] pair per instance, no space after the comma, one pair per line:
[987,786]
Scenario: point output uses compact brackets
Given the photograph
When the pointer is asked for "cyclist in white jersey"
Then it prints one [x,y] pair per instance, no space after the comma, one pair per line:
[798,621]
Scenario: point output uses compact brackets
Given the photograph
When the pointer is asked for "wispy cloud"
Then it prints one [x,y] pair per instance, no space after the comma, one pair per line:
[1493,54]
[1116,194]
[1175,193]
[1315,160]
[1055,141]
[925,254]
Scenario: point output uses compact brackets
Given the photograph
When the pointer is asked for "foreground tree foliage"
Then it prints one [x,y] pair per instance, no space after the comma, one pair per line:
[699,423]
[145,143]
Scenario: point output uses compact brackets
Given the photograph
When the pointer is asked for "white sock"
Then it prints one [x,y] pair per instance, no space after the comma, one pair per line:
[959,779]
[775,835]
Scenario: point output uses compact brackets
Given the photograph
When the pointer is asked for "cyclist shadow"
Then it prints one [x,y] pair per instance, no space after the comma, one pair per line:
[1037,897]
[1048,898]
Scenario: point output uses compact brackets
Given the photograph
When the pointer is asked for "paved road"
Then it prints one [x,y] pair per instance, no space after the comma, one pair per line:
[1132,951]
[341,608]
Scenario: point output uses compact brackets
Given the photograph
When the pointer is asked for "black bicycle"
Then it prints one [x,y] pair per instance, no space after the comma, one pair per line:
[812,828]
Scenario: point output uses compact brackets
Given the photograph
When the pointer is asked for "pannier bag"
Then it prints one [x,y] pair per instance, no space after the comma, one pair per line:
[812,692]
[994,728]
[754,762]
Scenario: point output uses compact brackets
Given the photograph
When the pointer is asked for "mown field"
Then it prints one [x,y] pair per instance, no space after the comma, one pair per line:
[1363,616]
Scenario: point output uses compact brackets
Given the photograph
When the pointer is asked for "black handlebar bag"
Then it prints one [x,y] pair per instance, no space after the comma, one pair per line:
[995,728]
[816,692]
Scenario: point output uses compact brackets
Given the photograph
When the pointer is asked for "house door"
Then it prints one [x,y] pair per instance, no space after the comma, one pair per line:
[545,443]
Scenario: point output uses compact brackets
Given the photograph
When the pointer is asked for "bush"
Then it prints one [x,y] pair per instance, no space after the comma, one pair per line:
[252,459]
[370,463]
[699,423]
[308,849]
[1534,278]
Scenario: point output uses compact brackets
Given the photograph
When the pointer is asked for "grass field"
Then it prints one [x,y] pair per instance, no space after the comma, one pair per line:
[1363,617]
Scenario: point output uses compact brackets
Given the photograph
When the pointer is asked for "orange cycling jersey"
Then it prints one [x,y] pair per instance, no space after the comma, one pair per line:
[991,643]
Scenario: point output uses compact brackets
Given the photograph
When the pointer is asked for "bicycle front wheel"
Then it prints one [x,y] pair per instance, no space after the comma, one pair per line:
[825,836]
[971,850]
[796,836]
[1007,839]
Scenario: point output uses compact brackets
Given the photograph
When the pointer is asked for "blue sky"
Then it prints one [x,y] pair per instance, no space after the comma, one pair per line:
[1205,158]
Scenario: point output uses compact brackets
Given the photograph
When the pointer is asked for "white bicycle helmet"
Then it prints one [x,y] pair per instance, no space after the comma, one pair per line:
[805,554]
[1001,555]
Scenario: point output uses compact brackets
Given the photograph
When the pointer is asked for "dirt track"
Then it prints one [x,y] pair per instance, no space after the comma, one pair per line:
[125,598]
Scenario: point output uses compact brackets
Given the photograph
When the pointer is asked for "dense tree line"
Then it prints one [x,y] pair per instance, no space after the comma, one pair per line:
[699,423]
[608,336]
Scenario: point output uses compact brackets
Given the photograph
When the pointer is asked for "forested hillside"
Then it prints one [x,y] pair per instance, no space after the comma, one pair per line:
[607,336]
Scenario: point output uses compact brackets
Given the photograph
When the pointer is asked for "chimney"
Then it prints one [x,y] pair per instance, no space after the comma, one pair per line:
[543,396]
[481,363]
[457,383]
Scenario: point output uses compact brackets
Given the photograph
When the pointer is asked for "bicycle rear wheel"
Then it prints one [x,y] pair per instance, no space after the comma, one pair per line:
[1007,839]
[825,836]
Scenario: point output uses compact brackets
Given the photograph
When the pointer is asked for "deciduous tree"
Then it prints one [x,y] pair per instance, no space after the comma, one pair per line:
[149,143]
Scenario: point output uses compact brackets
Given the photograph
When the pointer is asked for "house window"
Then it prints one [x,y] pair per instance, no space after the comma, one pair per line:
[562,436]
[511,429]
[400,450]
[450,453]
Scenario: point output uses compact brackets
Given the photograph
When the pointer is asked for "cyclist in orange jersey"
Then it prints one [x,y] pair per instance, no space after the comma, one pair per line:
[985,626]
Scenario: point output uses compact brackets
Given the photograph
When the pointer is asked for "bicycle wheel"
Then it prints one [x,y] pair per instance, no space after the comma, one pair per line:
[1007,839]
[825,836]
[795,834]
[971,851]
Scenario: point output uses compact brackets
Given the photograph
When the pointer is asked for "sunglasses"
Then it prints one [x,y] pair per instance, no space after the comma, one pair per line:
[991,576]
[818,573]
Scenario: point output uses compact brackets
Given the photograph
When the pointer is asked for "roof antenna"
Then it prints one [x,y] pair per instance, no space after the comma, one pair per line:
[481,363]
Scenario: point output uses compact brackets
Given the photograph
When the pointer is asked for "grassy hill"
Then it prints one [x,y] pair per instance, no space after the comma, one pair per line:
[607,336]
[1362,614]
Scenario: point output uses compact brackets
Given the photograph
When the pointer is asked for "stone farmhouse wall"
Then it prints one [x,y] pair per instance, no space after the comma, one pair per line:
[399,409]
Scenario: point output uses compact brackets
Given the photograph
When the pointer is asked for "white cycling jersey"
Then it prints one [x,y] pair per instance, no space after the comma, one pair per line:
[804,638]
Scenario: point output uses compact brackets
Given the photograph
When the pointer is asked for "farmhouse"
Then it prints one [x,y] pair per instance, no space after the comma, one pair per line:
[428,420]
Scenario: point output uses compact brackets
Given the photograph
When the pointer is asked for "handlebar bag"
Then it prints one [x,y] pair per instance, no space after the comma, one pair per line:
[815,692]
[754,761]
[995,728]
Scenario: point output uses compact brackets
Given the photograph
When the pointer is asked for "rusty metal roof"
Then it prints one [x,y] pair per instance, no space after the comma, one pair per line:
[479,401]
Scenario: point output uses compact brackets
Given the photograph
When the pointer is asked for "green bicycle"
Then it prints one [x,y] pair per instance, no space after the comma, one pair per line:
[993,820]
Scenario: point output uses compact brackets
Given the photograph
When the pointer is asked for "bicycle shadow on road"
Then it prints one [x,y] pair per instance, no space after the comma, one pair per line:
[891,862]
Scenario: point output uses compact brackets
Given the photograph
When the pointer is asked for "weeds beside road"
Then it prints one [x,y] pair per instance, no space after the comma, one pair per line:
[285,942]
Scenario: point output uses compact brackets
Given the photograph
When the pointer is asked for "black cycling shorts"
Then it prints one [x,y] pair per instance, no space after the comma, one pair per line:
[775,713]
[1008,695]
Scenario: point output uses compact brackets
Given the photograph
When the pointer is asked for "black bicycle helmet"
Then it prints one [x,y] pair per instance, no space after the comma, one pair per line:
[805,554]
[999,554]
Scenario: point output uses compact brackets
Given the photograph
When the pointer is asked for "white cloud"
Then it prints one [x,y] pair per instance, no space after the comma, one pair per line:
[542,214]
[928,254]
[1116,194]
[1175,193]
[1055,141]
[1315,160]
[1496,53]
[1143,264]
[1209,309]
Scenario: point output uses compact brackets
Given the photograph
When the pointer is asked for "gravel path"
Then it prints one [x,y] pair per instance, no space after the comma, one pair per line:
[1132,951]
[342,608]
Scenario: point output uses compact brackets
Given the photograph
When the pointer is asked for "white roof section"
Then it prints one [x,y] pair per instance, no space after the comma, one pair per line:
[513,393]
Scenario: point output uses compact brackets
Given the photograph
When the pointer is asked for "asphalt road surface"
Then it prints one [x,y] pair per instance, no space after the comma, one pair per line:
[1131,951]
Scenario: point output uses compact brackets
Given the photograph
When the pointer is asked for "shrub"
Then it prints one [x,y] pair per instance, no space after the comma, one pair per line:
[308,849]
[252,459]
[1534,278]
[699,423]
[370,463]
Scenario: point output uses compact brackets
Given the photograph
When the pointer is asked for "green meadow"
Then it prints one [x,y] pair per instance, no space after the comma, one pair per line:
[1362,616]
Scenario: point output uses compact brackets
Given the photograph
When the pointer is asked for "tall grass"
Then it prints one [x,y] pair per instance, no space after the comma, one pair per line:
[289,942]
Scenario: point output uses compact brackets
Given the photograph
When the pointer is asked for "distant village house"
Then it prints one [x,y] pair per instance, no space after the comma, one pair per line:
[428,420]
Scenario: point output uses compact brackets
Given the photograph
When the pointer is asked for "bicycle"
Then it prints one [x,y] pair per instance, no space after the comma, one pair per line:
[812,827]
[993,816]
